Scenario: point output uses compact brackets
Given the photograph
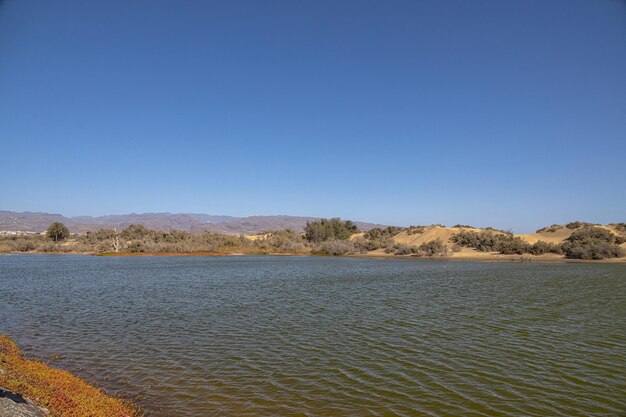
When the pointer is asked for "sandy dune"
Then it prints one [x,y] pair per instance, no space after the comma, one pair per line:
[445,233]
[551,237]
[430,233]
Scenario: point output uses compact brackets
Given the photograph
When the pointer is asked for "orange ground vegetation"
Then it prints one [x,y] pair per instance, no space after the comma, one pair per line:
[63,394]
[165,254]
[199,253]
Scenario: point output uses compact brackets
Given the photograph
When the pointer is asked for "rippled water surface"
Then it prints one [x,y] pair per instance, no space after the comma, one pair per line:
[328,336]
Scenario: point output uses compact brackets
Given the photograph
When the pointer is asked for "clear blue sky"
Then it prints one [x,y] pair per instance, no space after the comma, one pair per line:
[504,113]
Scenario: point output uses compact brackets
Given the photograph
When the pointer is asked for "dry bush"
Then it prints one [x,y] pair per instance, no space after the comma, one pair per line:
[550,229]
[335,247]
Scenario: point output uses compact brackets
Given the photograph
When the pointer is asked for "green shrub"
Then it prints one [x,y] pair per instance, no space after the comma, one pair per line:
[541,247]
[592,249]
[433,248]
[328,229]
[512,245]
[402,249]
[590,232]
[493,229]
[364,245]
[488,241]
[589,242]
[550,229]
[379,233]
[482,241]
[463,226]
[380,238]
[578,225]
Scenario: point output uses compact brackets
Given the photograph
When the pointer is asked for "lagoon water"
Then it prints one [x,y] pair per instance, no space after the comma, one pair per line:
[240,336]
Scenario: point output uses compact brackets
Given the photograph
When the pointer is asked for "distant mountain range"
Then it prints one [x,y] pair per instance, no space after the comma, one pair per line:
[38,222]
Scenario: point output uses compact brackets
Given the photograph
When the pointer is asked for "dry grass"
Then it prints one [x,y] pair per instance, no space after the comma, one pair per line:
[199,253]
[63,394]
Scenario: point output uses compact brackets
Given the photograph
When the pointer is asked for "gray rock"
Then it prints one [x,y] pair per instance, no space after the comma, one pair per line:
[14,405]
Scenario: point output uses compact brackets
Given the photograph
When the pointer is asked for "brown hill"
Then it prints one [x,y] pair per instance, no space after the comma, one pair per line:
[191,222]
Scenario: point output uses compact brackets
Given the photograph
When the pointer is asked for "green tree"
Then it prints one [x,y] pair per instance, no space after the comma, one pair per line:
[57,231]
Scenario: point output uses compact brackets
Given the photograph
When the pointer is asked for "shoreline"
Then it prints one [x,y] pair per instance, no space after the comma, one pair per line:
[35,389]
[480,257]
[495,259]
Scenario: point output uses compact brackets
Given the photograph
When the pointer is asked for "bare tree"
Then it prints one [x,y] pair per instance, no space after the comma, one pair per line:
[116,241]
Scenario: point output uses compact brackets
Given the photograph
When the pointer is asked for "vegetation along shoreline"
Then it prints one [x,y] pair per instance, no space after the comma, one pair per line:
[575,241]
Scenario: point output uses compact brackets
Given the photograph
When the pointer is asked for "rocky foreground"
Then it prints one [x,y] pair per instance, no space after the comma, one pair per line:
[13,404]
